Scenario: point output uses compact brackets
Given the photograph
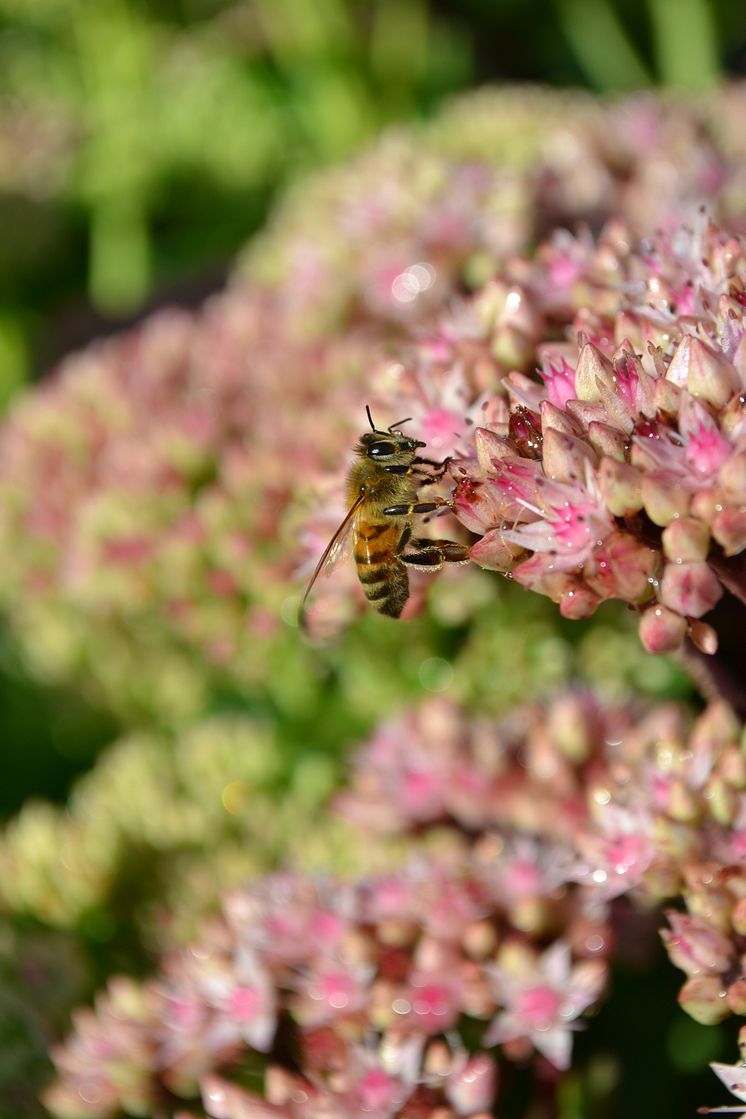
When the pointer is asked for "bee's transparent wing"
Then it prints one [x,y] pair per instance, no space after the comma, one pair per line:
[334,550]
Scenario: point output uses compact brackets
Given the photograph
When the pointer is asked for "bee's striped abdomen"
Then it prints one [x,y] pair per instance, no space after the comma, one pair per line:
[384,577]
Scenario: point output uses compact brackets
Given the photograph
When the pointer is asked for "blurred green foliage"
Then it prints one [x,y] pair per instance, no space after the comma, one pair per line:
[141,143]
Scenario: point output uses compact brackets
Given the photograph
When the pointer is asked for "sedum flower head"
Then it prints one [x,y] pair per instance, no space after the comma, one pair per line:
[402,992]
[630,487]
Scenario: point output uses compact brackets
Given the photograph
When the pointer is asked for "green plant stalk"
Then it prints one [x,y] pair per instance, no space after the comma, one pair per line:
[601,45]
[685,43]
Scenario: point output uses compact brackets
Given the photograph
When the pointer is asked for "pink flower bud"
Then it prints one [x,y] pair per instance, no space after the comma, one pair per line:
[664,501]
[593,370]
[662,630]
[622,567]
[711,377]
[706,504]
[606,440]
[564,457]
[490,449]
[686,539]
[554,417]
[732,478]
[667,398]
[494,553]
[472,1088]
[736,996]
[704,1000]
[690,588]
[695,946]
[729,529]
[620,486]
[704,637]
[577,600]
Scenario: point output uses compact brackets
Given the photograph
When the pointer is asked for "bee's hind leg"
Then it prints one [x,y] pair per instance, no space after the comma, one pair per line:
[430,555]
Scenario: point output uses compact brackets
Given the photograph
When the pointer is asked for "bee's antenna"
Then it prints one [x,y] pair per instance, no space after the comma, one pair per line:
[370,418]
[398,423]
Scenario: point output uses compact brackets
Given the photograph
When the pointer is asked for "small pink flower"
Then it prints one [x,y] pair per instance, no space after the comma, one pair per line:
[331,991]
[706,448]
[570,521]
[559,381]
[543,1003]
[616,854]
[245,1003]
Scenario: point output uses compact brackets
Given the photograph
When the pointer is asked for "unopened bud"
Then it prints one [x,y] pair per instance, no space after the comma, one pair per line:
[704,1000]
[722,801]
[662,630]
[729,529]
[473,1087]
[691,589]
[704,636]
[620,486]
[711,377]
[732,478]
[592,371]
[564,457]
[685,540]
[664,501]
[736,996]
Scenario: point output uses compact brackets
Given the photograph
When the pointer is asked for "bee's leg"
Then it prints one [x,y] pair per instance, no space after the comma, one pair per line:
[430,555]
[450,551]
[439,464]
[426,479]
[416,468]
[411,507]
[403,540]
[429,559]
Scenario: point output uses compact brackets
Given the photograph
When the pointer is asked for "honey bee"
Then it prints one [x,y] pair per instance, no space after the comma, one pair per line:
[382,493]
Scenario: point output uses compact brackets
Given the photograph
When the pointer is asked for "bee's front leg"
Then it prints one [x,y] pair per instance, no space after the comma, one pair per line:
[441,465]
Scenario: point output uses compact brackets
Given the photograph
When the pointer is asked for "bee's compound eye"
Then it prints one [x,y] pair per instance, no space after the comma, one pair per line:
[381,449]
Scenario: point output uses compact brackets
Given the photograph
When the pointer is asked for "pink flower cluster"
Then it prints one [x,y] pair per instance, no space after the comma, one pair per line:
[524,836]
[622,472]
[366,982]
[143,489]
[619,470]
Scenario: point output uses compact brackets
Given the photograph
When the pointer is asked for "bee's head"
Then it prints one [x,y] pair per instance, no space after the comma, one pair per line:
[387,446]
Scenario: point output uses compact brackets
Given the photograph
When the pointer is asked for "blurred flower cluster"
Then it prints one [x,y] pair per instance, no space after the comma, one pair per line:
[211,809]
[534,844]
[492,173]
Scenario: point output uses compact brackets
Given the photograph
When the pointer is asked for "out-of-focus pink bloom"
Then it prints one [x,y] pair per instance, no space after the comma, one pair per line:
[695,946]
[541,1003]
